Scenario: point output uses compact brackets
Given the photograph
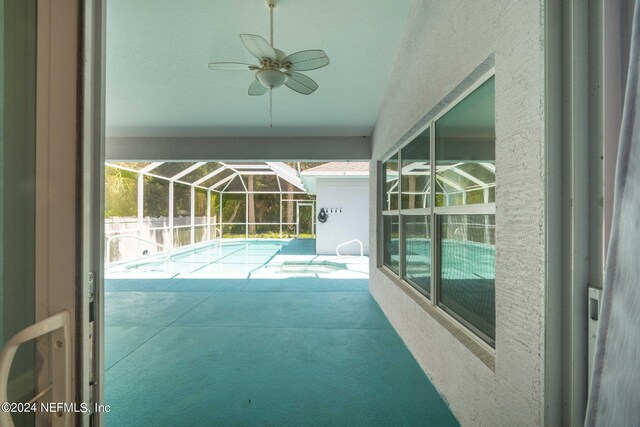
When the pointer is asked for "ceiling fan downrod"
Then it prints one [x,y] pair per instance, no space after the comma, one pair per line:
[272,5]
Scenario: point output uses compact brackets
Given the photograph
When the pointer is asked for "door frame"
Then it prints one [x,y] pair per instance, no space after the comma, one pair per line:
[585,60]
[92,184]
[57,183]
[69,156]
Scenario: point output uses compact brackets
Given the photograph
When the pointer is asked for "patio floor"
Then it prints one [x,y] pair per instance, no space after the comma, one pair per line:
[258,351]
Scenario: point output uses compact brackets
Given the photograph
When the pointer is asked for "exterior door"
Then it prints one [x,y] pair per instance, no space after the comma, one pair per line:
[50,158]
[305,221]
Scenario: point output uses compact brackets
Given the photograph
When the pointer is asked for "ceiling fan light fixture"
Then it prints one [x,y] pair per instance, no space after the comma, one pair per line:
[271,78]
[276,67]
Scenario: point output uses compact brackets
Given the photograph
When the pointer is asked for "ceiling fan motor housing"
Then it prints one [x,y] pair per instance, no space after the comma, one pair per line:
[271,78]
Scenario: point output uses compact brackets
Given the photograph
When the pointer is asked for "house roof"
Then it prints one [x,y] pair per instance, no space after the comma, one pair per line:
[339,168]
[333,170]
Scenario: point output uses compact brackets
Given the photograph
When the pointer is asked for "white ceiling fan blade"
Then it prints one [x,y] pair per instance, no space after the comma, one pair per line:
[306,60]
[232,66]
[256,88]
[259,47]
[301,83]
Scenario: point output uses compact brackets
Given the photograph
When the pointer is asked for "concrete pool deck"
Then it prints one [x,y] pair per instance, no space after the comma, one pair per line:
[278,351]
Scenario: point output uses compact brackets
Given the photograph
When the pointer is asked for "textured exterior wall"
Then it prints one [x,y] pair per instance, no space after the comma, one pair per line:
[351,195]
[445,43]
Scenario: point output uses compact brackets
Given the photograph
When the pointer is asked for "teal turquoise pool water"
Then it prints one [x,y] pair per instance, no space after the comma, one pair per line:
[233,256]
[259,350]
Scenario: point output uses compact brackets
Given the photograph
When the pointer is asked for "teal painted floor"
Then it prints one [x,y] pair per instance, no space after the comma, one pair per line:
[259,352]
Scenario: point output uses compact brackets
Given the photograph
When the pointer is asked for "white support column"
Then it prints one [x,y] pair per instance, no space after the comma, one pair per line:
[140,210]
[220,217]
[297,219]
[280,214]
[246,215]
[208,215]
[170,214]
[193,214]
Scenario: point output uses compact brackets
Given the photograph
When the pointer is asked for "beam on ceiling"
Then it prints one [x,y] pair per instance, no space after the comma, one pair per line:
[238,148]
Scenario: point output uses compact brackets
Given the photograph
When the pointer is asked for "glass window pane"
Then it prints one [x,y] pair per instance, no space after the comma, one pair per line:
[417,229]
[416,172]
[19,30]
[467,259]
[465,148]
[391,239]
[121,193]
[156,197]
[484,172]
[390,184]
[234,208]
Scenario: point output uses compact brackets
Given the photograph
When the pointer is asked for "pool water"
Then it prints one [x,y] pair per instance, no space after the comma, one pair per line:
[239,257]
[236,258]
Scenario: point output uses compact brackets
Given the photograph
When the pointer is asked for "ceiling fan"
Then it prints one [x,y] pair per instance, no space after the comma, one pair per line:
[276,68]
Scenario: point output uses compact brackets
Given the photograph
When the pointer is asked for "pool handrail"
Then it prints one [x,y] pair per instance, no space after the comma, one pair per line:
[39,329]
[133,236]
[348,242]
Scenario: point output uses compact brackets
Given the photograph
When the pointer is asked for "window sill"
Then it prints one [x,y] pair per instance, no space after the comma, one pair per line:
[478,348]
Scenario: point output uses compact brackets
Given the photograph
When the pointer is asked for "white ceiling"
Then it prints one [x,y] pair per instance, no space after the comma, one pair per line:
[158,82]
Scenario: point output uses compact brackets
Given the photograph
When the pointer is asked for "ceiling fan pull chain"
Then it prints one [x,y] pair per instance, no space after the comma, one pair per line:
[270,108]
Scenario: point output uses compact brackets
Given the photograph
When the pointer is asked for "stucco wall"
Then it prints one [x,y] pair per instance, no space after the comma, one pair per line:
[352,196]
[448,45]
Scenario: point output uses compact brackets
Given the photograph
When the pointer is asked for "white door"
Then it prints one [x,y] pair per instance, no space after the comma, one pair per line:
[50,211]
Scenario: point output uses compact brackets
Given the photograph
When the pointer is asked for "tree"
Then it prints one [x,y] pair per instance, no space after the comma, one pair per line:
[121,193]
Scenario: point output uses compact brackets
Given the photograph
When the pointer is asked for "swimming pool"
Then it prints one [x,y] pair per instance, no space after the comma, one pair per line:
[236,258]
